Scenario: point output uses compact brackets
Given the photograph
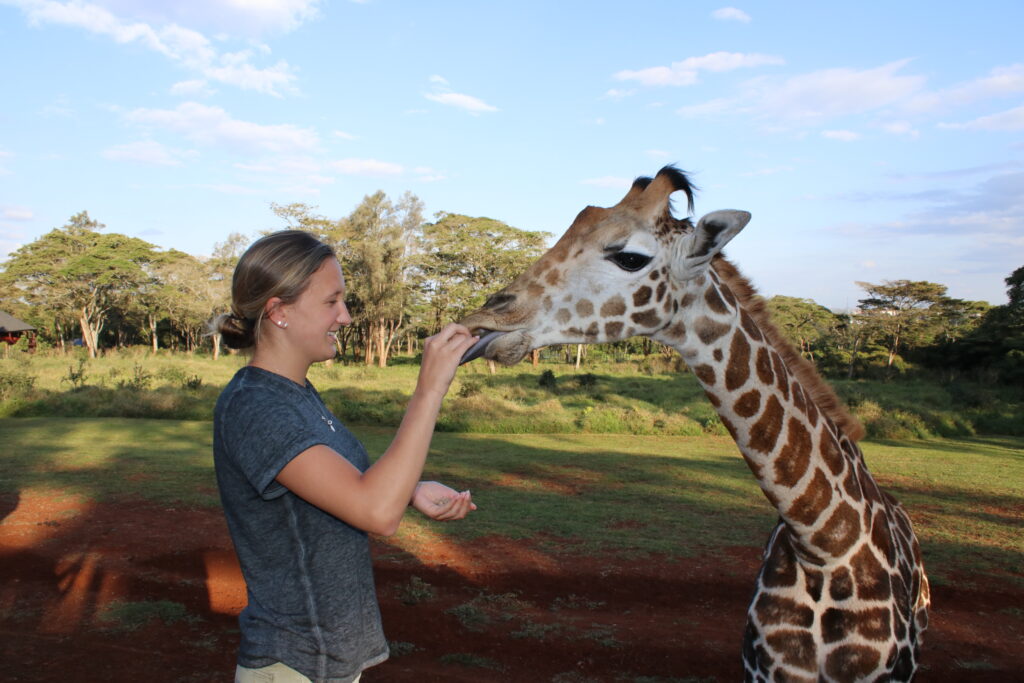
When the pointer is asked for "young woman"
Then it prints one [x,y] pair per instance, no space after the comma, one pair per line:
[297,487]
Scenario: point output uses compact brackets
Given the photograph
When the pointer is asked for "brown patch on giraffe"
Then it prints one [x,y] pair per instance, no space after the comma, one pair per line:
[676,331]
[880,536]
[791,463]
[574,331]
[553,277]
[840,585]
[812,413]
[660,292]
[839,624]
[718,355]
[748,404]
[840,532]
[563,316]
[534,290]
[713,400]
[813,583]
[813,501]
[738,371]
[779,570]
[614,307]
[763,366]
[714,301]
[709,330]
[648,318]
[781,375]
[654,276]
[584,308]
[868,485]
[798,398]
[852,486]
[830,453]
[870,577]
[642,296]
[796,648]
[548,303]
[727,294]
[748,324]
[612,330]
[687,300]
[593,331]
[765,431]
[705,373]
[852,662]
[775,609]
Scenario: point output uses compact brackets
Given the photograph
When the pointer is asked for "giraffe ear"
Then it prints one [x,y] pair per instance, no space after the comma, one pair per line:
[694,250]
[714,231]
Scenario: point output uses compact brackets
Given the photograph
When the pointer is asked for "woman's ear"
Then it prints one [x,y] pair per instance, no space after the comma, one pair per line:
[272,311]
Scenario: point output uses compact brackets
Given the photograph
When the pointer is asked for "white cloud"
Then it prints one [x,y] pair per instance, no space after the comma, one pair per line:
[214,126]
[841,135]
[1001,81]
[1011,120]
[441,80]
[687,71]
[731,14]
[900,128]
[184,46]
[617,94]
[467,102]
[366,167]
[17,213]
[194,88]
[343,135]
[147,152]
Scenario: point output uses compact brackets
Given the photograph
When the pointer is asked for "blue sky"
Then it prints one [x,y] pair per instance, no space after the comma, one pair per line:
[871,141]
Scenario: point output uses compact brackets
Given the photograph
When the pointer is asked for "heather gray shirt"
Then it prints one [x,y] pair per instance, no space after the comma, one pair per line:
[312,602]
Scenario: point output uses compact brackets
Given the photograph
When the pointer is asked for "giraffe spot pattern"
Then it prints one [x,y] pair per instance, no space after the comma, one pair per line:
[660,292]
[613,308]
[840,587]
[709,330]
[796,648]
[748,324]
[553,277]
[792,461]
[737,372]
[676,331]
[852,662]
[774,609]
[612,330]
[781,374]
[563,316]
[813,582]
[642,296]
[840,532]
[727,295]
[584,308]
[714,301]
[779,570]
[706,374]
[648,318]
[872,580]
[813,501]
[880,537]
[828,447]
[763,366]
[718,355]
[765,431]
[871,624]
[852,486]
[748,404]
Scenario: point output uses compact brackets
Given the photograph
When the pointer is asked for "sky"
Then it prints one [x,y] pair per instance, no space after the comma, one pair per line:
[871,141]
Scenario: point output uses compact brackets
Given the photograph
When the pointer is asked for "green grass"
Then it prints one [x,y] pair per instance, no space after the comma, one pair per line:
[673,495]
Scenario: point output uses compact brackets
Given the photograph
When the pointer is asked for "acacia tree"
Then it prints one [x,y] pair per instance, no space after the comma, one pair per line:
[79,273]
[901,312]
[807,325]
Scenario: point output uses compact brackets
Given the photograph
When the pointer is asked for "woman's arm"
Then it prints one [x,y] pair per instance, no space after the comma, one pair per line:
[375,500]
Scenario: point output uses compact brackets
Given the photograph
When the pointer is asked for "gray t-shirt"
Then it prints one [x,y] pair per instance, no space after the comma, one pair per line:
[312,602]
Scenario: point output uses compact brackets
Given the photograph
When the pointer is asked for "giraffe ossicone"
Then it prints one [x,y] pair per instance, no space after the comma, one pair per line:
[842,594]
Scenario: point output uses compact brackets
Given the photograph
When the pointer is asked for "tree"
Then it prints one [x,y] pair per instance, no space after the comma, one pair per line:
[464,259]
[80,274]
[901,312]
[806,324]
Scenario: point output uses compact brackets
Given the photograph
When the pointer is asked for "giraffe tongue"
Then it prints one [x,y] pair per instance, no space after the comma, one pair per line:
[477,350]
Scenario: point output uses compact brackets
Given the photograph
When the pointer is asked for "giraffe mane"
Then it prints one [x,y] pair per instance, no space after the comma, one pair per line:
[820,392]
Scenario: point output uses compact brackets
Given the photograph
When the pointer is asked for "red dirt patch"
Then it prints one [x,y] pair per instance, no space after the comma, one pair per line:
[488,610]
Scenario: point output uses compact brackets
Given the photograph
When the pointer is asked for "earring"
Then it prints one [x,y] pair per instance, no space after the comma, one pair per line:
[282,325]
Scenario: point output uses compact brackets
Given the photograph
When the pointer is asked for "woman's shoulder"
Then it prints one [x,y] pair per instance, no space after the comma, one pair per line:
[255,391]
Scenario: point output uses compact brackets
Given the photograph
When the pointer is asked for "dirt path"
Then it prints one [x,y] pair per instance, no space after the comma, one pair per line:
[145,593]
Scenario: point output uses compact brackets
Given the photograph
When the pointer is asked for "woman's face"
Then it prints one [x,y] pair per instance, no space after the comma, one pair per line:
[318,313]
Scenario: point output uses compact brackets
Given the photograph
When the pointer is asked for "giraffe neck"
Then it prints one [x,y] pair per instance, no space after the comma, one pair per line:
[810,471]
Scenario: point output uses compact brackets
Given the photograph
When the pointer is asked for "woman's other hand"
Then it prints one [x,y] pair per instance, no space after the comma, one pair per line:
[440,502]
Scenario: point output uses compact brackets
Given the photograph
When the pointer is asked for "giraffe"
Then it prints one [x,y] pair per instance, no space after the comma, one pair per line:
[841,594]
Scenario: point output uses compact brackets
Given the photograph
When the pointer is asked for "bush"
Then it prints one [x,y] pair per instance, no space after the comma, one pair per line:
[15,383]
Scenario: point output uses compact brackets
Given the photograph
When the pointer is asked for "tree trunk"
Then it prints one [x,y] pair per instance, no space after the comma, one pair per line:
[216,345]
[535,357]
[579,355]
[152,333]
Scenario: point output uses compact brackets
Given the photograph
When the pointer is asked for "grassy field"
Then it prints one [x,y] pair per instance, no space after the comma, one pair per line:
[674,495]
[643,397]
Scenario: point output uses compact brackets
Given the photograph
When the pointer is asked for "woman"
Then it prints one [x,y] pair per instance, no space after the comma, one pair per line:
[297,488]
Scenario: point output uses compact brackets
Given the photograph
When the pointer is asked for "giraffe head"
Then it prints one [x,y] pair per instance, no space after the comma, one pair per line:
[616,272]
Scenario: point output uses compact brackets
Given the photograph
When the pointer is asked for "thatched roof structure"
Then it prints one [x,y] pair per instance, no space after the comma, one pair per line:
[9,324]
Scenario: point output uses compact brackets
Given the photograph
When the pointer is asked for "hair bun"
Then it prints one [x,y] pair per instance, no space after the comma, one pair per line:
[237,332]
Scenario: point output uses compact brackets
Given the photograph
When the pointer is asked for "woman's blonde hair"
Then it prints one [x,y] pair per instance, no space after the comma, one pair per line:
[277,265]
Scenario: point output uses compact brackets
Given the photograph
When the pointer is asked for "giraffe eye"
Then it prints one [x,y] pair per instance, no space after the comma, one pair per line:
[629,260]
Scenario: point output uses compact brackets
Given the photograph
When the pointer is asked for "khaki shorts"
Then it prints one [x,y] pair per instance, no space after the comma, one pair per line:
[275,673]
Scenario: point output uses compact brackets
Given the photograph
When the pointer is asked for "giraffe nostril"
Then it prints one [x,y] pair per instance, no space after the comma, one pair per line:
[496,301]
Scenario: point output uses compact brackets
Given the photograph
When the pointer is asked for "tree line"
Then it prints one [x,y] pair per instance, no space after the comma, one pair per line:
[406,276]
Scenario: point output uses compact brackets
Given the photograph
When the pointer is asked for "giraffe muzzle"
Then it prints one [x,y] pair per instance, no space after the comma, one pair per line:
[478,349]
